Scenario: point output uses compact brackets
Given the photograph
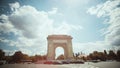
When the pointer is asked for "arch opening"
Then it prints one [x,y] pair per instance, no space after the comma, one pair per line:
[59,53]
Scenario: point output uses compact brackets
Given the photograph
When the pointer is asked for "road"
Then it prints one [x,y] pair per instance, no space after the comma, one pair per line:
[86,65]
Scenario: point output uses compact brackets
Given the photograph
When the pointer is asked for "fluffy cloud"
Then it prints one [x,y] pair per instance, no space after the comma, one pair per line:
[5,25]
[31,24]
[54,11]
[111,10]
[31,27]
[14,6]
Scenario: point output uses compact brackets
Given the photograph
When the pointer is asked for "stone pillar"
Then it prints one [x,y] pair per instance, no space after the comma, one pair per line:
[70,49]
[50,50]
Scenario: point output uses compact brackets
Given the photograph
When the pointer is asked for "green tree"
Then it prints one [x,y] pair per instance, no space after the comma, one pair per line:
[33,58]
[25,57]
[105,52]
[61,57]
[17,57]
[44,57]
[111,55]
[2,54]
[101,56]
[118,55]
[97,56]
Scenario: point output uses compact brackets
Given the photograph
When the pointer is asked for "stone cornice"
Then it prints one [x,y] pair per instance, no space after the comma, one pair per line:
[61,37]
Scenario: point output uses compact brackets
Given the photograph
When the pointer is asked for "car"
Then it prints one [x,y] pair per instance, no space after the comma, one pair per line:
[65,62]
[95,61]
[57,62]
[48,62]
[77,62]
[2,62]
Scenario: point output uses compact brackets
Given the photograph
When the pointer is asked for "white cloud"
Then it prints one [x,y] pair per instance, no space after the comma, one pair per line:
[14,6]
[103,9]
[65,28]
[32,27]
[54,11]
[111,10]
[9,52]
[31,24]
[90,47]
[25,51]
[5,25]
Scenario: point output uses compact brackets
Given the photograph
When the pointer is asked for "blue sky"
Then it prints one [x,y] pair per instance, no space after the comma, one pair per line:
[25,24]
[74,15]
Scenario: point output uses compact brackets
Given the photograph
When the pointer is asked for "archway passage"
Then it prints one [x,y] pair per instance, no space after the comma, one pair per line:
[63,41]
[59,53]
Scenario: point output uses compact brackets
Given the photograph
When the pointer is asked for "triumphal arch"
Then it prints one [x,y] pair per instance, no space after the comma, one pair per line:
[63,41]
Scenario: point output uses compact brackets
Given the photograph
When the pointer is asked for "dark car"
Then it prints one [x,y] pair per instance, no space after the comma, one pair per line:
[2,62]
[77,62]
[65,62]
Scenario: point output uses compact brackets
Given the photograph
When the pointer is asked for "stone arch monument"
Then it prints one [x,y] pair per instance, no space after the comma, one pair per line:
[63,41]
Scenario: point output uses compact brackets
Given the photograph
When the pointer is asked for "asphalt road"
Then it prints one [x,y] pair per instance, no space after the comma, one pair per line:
[86,65]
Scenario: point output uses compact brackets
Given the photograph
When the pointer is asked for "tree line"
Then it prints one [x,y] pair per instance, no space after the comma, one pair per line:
[18,56]
[102,56]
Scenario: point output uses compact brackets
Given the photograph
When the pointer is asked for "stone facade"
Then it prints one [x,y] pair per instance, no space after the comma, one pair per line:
[63,41]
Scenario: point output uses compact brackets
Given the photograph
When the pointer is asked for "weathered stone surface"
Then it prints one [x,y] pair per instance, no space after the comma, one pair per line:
[63,41]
